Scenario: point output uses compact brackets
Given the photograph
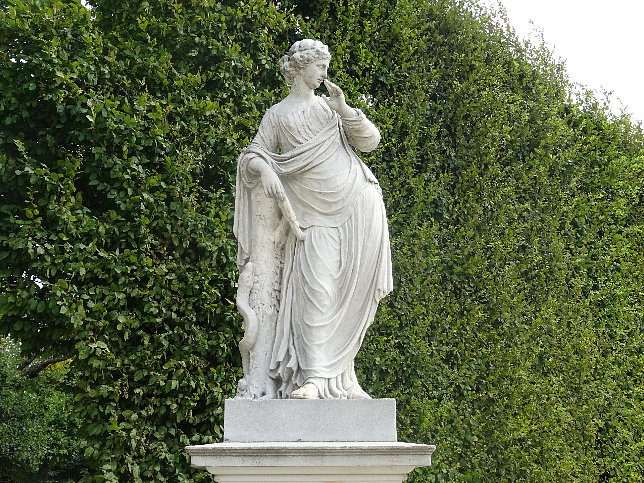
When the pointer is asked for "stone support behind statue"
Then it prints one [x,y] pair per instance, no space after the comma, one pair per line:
[314,441]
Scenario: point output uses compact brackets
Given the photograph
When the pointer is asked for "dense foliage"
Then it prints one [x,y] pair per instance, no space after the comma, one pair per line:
[116,164]
[513,338]
[37,422]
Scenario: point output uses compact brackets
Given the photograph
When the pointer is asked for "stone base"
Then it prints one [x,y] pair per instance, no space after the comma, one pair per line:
[292,420]
[301,440]
[310,462]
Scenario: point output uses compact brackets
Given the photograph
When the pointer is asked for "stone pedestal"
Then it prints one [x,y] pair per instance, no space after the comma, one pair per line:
[310,462]
[310,441]
[324,420]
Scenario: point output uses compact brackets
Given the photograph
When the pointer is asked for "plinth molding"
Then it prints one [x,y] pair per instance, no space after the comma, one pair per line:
[366,462]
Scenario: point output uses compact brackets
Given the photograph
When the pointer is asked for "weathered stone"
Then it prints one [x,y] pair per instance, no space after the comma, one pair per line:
[311,462]
[293,420]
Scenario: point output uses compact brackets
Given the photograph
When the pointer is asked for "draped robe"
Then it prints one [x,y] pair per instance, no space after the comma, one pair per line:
[332,280]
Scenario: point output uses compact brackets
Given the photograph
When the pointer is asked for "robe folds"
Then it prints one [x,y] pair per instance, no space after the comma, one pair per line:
[332,280]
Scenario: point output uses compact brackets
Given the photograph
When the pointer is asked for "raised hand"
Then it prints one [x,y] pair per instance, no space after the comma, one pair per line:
[336,100]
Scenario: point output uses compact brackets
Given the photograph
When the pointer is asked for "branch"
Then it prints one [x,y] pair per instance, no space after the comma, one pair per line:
[32,370]
[26,361]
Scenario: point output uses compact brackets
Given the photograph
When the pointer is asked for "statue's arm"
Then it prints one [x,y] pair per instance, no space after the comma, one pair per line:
[270,181]
[254,168]
[360,131]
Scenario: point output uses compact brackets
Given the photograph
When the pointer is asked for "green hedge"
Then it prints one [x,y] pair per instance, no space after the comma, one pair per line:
[513,338]
[117,152]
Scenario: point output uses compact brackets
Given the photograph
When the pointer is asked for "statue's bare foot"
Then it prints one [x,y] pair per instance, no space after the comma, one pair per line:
[307,391]
[357,392]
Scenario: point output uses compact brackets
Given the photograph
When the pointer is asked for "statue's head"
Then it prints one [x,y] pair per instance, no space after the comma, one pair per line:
[302,53]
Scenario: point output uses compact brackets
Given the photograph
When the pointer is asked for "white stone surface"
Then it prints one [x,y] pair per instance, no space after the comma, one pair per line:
[314,255]
[314,262]
[330,420]
[310,462]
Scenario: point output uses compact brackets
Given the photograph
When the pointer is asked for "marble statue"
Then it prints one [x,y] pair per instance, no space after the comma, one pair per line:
[314,256]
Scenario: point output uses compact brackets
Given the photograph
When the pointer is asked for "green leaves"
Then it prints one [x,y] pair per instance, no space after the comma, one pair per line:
[513,336]
[118,248]
[499,192]
[37,425]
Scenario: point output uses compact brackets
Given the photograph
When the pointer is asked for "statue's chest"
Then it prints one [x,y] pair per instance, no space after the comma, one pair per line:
[298,128]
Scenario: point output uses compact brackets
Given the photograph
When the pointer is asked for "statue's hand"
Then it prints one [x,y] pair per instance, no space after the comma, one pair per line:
[336,100]
[272,185]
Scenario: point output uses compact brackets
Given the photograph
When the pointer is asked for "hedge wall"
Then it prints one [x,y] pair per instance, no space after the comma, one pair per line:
[513,338]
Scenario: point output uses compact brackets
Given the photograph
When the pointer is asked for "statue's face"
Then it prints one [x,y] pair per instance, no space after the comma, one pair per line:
[314,73]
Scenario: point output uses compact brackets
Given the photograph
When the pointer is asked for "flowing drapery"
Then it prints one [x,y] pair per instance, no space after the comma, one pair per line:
[333,279]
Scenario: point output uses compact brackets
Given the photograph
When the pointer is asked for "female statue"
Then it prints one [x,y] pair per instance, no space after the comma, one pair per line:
[314,252]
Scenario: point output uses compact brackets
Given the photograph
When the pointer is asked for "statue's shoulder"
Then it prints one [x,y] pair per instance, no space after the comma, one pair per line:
[270,112]
[282,108]
[269,118]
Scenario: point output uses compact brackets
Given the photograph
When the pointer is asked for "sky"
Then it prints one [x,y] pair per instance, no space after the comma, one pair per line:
[601,42]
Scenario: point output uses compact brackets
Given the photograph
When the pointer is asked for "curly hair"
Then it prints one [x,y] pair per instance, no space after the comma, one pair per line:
[299,55]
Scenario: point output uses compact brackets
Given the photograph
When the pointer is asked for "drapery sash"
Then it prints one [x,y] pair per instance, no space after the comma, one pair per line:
[322,179]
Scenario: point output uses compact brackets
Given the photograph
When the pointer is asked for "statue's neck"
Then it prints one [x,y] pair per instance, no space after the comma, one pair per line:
[301,93]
